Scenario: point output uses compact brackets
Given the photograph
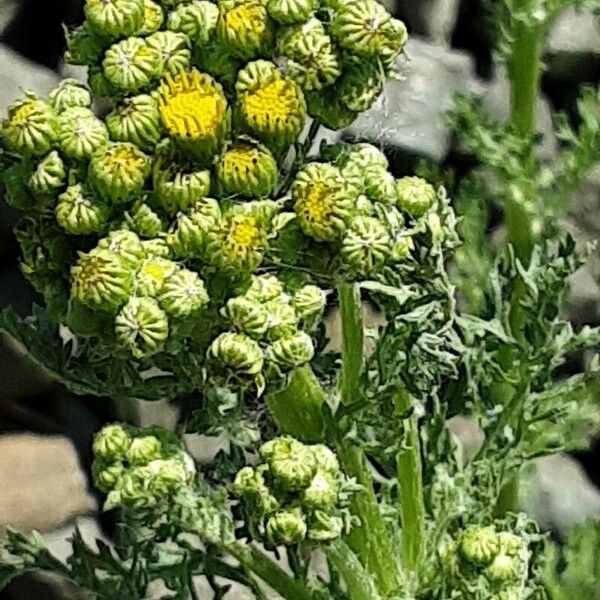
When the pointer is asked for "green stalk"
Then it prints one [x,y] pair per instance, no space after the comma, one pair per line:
[370,540]
[359,584]
[259,563]
[410,481]
[298,409]
[525,69]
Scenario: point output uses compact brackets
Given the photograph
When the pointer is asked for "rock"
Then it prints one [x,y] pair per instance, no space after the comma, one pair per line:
[18,74]
[47,485]
[558,493]
[573,47]
[410,116]
[469,435]
[433,19]
[496,99]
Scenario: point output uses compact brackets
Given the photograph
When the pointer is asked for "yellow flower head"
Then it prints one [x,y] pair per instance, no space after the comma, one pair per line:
[237,244]
[245,29]
[323,202]
[193,109]
[272,107]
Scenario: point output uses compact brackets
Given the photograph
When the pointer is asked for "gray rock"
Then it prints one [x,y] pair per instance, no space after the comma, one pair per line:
[410,116]
[573,50]
[18,74]
[434,19]
[558,493]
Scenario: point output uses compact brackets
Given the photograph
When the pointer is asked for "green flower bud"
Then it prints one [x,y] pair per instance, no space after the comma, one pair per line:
[324,106]
[144,221]
[279,448]
[152,275]
[365,28]
[271,107]
[80,133]
[360,84]
[264,211]
[366,246]
[364,157]
[101,280]
[504,569]
[292,352]
[250,485]
[188,235]
[415,196]
[237,352]
[194,111]
[247,168]
[106,478]
[136,120]
[144,450]
[126,244]
[132,64]
[70,93]
[49,175]
[153,18]
[111,443]
[79,212]
[180,190]
[479,545]
[115,18]
[175,49]
[245,29]
[291,463]
[322,201]
[31,127]
[236,244]
[380,186]
[247,316]
[311,58]
[324,527]
[327,461]
[183,294]
[309,303]
[84,46]
[141,327]
[287,527]
[264,288]
[291,11]
[156,248]
[100,85]
[197,19]
[118,171]
[511,544]
[282,321]
[322,493]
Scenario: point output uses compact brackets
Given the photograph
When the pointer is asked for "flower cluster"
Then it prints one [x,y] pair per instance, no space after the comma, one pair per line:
[139,468]
[493,559]
[297,493]
[269,330]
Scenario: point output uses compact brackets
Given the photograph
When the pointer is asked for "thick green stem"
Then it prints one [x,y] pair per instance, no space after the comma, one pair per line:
[298,409]
[254,560]
[525,69]
[359,584]
[410,481]
[370,540]
[352,341]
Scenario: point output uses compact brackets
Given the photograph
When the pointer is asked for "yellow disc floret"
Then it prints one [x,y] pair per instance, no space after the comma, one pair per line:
[193,109]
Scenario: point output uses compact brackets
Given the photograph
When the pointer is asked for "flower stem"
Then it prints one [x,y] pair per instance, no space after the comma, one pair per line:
[370,540]
[410,481]
[259,563]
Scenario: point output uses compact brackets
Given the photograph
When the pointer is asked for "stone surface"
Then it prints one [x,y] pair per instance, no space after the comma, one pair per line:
[43,485]
[410,116]
[558,493]
[433,19]
[573,50]
[18,74]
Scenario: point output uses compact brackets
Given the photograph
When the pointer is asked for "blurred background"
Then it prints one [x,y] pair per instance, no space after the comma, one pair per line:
[45,432]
